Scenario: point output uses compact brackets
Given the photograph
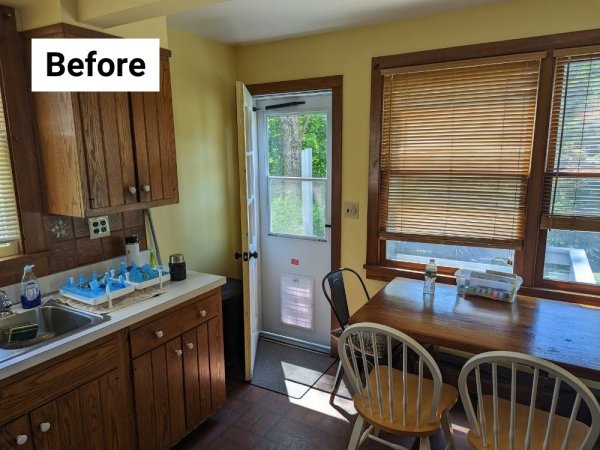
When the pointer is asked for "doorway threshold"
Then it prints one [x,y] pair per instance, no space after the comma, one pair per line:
[296,342]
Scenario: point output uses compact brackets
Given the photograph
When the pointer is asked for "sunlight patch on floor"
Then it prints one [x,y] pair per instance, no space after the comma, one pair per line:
[319,402]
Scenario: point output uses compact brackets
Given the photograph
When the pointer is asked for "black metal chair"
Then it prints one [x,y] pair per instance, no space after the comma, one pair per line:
[339,304]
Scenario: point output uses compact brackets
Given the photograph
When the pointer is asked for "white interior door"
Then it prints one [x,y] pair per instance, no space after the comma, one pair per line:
[247,154]
[294,137]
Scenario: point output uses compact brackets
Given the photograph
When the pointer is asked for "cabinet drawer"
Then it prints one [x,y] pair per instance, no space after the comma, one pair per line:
[42,386]
[168,327]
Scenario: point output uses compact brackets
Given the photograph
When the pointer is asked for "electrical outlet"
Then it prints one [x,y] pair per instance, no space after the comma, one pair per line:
[99,227]
[351,210]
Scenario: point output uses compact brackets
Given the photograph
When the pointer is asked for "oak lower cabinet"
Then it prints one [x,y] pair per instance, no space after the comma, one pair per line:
[178,371]
[16,435]
[81,402]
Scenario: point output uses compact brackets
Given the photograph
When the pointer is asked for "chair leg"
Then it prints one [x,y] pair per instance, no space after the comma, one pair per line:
[336,383]
[356,433]
[424,444]
[448,432]
[338,377]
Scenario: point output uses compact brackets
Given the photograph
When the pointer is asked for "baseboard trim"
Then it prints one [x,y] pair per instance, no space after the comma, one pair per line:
[319,348]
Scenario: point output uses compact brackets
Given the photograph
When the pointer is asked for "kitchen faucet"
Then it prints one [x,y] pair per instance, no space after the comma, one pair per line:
[5,304]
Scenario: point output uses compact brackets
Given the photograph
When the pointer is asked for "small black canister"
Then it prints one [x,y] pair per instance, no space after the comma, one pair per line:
[177,267]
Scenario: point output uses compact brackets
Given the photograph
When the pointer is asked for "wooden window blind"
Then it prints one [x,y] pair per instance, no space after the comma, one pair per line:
[572,180]
[9,216]
[455,152]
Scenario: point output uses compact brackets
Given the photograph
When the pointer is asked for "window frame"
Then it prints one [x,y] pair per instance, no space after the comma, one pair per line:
[15,85]
[529,260]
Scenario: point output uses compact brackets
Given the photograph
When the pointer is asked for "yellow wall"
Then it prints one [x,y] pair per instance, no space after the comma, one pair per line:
[40,13]
[205,224]
[349,53]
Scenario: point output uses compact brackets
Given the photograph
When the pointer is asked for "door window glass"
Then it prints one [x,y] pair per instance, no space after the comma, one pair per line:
[297,174]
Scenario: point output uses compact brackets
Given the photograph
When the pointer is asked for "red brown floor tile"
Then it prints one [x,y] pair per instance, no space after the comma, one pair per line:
[256,418]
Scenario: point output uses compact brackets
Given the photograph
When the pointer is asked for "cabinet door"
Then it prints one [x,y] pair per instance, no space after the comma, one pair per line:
[217,363]
[94,416]
[106,136]
[191,348]
[46,428]
[159,401]
[152,116]
[16,435]
[204,371]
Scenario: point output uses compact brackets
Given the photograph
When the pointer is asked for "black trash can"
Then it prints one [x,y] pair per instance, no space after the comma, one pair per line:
[232,296]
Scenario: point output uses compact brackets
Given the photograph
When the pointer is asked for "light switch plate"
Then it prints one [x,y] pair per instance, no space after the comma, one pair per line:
[99,227]
[351,210]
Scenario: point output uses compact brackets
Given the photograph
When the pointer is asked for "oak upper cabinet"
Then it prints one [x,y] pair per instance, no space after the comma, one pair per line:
[154,136]
[178,372]
[106,152]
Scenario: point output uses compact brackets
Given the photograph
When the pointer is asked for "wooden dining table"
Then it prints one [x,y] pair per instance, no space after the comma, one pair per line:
[567,334]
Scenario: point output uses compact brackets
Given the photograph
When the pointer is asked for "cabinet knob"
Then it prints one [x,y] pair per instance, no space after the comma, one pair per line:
[44,427]
[146,188]
[132,189]
[203,313]
[22,439]
[159,334]
[178,352]
[189,345]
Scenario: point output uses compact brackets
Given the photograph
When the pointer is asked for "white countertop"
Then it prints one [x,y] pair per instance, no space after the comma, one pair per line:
[177,292]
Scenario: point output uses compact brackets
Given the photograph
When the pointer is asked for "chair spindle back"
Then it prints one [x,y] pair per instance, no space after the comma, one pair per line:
[517,362]
[388,392]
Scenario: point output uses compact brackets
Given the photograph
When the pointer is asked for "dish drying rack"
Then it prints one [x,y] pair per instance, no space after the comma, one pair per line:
[113,284]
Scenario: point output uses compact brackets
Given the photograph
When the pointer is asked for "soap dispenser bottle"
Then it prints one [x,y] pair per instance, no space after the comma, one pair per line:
[30,290]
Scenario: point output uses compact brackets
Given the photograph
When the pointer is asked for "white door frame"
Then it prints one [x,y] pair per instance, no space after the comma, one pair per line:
[335,83]
[313,254]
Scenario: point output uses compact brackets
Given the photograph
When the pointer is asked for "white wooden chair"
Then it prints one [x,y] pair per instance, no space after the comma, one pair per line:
[394,400]
[502,424]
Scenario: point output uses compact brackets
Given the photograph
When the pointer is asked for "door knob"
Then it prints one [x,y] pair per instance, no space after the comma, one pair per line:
[132,189]
[189,345]
[146,188]
[44,427]
[254,254]
[178,352]
[238,255]
[22,439]
[203,313]
[159,334]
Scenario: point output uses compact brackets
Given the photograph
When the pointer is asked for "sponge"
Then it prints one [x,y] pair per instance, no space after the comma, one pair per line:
[19,333]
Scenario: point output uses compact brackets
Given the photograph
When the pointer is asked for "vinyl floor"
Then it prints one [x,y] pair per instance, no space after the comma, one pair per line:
[257,418]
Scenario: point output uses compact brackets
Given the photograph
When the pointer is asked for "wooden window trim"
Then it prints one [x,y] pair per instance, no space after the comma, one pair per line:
[19,112]
[529,261]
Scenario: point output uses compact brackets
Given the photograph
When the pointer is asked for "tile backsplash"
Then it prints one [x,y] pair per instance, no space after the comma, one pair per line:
[70,246]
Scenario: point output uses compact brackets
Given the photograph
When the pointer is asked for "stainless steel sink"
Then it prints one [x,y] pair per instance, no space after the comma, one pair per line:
[54,321]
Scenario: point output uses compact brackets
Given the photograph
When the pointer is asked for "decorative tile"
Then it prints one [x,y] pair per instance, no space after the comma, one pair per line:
[58,228]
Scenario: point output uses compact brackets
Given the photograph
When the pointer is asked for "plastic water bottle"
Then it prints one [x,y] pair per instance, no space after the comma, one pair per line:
[30,290]
[430,276]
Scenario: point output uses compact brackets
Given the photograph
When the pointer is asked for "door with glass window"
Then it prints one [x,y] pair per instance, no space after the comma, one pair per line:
[295,184]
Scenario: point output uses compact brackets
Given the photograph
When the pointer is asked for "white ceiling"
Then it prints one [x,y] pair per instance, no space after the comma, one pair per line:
[244,21]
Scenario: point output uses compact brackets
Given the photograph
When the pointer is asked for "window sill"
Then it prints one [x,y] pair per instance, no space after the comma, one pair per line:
[387,274]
